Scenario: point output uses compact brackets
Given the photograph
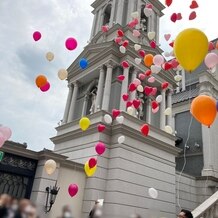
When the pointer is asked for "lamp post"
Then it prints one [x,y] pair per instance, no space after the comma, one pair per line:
[51,197]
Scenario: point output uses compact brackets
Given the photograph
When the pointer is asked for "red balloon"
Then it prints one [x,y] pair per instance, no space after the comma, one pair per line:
[115,113]
[120,33]
[153,44]
[37,36]
[179,16]
[125,97]
[168,2]
[129,104]
[101,128]
[92,162]
[125,43]
[173,17]
[193,15]
[148,90]
[165,85]
[154,105]
[194,5]
[118,40]
[145,129]
[132,87]
[71,44]
[72,190]
[100,148]
[125,64]
[45,88]
[121,77]
[148,73]
[142,53]
[211,46]
[167,66]
[136,103]
[171,44]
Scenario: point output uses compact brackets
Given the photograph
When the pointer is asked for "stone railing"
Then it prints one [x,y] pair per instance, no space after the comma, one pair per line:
[208,209]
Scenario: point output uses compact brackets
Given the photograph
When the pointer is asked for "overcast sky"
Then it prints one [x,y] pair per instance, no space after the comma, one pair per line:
[31,114]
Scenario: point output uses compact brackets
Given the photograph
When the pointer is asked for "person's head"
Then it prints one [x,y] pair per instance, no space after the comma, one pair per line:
[66,212]
[5,200]
[23,204]
[30,211]
[185,214]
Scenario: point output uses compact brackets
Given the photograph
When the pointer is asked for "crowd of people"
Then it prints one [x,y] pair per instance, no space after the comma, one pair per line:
[24,208]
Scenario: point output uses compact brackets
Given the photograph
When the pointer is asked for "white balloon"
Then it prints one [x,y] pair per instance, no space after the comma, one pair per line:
[178,78]
[155,69]
[50,166]
[49,56]
[135,15]
[148,12]
[107,119]
[137,47]
[140,88]
[153,193]
[130,110]
[138,61]
[151,35]
[168,111]
[151,79]
[121,139]
[62,74]
[159,98]
[122,49]
[168,129]
[120,119]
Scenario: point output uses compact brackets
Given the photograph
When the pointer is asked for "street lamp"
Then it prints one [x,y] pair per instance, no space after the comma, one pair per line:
[51,197]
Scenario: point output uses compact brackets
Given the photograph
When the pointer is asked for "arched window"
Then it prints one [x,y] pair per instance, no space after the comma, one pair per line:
[107,15]
[144,20]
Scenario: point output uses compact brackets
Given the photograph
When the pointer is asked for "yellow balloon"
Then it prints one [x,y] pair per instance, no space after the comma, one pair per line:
[190,48]
[50,166]
[89,171]
[84,123]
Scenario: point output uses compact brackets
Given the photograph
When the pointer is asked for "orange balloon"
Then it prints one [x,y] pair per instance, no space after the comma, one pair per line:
[148,60]
[41,81]
[203,109]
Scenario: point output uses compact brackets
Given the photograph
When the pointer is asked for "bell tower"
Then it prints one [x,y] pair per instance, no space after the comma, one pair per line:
[111,12]
[126,170]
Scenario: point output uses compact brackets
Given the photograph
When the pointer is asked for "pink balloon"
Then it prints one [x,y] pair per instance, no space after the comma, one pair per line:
[37,36]
[137,82]
[2,139]
[151,79]
[142,76]
[71,44]
[100,148]
[104,29]
[72,190]
[6,132]
[92,162]
[158,60]
[45,88]
[136,33]
[154,91]
[211,60]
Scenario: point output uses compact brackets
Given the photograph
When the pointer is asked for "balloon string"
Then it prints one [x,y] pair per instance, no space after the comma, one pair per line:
[185,162]
[184,154]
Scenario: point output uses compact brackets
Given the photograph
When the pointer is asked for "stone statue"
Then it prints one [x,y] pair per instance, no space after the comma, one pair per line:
[93,95]
[140,111]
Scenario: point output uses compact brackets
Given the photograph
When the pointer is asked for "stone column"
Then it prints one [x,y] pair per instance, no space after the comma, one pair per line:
[85,103]
[162,109]
[107,87]
[124,89]
[113,5]
[119,17]
[73,102]
[93,26]
[157,29]
[183,80]
[67,108]
[100,21]
[148,111]
[173,122]
[100,89]
[169,104]
[130,10]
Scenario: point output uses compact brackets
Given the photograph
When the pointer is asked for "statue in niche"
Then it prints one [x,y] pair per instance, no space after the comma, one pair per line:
[93,95]
[140,110]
